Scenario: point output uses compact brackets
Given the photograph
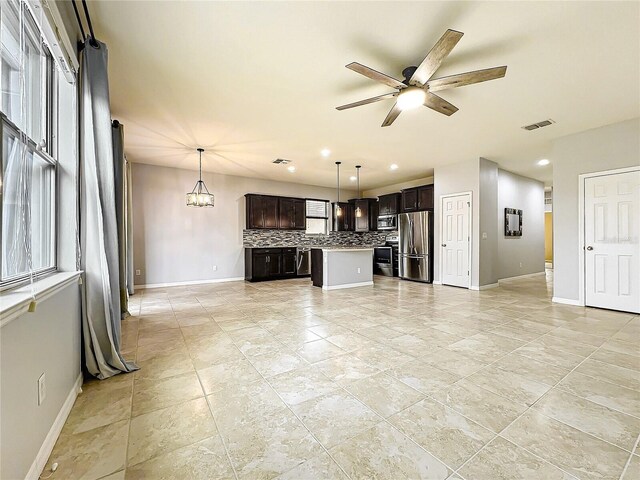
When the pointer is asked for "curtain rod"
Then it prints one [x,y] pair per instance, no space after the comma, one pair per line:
[92,39]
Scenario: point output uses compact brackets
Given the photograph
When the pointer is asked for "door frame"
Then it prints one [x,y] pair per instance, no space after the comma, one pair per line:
[582,294]
[470,227]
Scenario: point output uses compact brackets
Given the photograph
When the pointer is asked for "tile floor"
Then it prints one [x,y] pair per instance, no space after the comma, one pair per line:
[399,380]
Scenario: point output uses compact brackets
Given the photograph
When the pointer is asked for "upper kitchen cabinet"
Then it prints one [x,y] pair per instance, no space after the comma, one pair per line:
[262,211]
[346,221]
[417,199]
[389,204]
[268,211]
[368,219]
[292,214]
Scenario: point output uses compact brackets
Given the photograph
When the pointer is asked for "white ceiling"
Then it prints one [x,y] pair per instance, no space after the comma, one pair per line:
[254,81]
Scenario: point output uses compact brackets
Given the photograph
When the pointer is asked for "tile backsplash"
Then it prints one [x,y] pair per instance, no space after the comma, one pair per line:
[296,238]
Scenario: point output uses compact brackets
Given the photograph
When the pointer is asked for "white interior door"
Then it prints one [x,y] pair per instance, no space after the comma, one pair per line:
[612,244]
[456,240]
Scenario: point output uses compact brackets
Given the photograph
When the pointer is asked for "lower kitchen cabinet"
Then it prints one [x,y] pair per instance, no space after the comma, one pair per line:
[269,263]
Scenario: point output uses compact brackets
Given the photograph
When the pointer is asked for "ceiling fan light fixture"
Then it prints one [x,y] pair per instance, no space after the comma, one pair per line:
[411,97]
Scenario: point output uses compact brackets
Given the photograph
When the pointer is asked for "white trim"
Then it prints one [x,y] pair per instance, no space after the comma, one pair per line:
[347,285]
[566,301]
[526,275]
[14,303]
[441,219]
[437,282]
[54,432]
[482,287]
[190,282]
[581,251]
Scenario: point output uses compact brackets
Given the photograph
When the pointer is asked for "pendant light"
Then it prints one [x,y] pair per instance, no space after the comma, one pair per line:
[200,196]
[358,209]
[338,207]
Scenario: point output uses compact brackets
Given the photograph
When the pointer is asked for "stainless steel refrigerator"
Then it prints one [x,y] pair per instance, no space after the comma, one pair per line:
[415,250]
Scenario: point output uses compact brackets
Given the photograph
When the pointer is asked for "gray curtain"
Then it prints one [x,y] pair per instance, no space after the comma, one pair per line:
[98,221]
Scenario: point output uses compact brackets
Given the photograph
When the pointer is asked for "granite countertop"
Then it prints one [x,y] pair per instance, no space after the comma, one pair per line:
[322,247]
[344,249]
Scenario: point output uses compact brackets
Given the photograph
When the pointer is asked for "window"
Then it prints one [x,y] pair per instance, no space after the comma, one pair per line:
[27,188]
[317,217]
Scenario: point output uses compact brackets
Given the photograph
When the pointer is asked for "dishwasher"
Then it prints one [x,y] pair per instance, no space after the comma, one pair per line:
[303,261]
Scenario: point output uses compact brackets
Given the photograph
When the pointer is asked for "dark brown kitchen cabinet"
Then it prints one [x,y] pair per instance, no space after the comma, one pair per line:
[389,204]
[417,199]
[368,220]
[344,222]
[262,211]
[269,263]
[292,214]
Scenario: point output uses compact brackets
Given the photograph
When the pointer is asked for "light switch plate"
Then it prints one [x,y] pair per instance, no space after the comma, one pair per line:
[42,389]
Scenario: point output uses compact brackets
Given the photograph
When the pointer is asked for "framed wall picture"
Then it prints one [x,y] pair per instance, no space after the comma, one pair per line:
[512,222]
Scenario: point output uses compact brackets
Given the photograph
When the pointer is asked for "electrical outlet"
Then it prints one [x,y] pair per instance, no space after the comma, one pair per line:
[484,235]
[358,269]
[137,272]
[215,268]
[42,389]
[520,264]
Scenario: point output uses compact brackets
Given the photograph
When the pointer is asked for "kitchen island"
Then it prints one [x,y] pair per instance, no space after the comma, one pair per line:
[346,267]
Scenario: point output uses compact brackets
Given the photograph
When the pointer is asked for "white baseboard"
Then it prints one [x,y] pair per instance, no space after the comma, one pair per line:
[437,282]
[54,432]
[526,275]
[347,285]
[566,301]
[191,282]
[483,287]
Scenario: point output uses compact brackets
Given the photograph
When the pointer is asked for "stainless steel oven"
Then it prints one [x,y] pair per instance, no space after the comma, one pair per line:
[303,261]
[388,222]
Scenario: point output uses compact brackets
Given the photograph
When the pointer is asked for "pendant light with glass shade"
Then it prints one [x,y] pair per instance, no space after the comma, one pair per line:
[200,196]
[338,207]
[358,209]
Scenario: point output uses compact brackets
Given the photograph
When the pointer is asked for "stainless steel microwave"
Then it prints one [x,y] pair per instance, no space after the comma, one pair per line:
[388,222]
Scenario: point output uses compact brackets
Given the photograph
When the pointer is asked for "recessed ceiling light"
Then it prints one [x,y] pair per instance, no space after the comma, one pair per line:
[543,162]
[291,168]
[393,166]
[353,178]
[325,152]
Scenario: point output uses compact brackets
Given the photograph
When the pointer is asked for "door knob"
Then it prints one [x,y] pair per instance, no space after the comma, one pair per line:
[589,248]
[444,244]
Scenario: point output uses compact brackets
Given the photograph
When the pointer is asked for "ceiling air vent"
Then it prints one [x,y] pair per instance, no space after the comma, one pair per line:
[535,126]
[281,161]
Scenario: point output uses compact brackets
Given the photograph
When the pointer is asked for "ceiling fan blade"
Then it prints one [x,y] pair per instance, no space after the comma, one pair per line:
[439,104]
[375,75]
[434,58]
[367,101]
[468,78]
[392,115]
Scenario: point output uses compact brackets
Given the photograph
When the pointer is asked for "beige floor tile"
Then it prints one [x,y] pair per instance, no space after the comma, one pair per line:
[346,368]
[614,427]
[243,404]
[152,337]
[321,467]
[213,353]
[301,384]
[423,377]
[519,388]
[514,332]
[276,362]
[482,406]
[101,402]
[335,417]
[384,394]
[603,393]
[617,358]
[580,337]
[270,446]
[551,355]
[164,364]
[485,347]
[633,469]
[148,323]
[441,431]
[204,460]
[350,342]
[622,347]
[453,362]
[383,452]
[192,321]
[154,394]
[611,373]
[92,454]
[533,369]
[319,350]
[227,375]
[114,476]
[203,329]
[382,357]
[502,460]
[573,451]
[161,431]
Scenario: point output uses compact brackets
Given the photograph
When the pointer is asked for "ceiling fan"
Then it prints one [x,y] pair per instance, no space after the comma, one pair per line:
[418,86]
